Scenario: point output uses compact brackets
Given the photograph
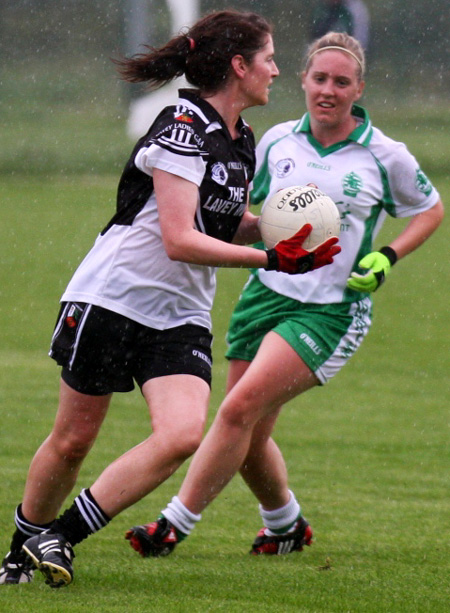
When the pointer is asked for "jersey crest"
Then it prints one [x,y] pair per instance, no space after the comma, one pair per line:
[352,184]
[423,183]
[182,113]
[219,173]
[284,167]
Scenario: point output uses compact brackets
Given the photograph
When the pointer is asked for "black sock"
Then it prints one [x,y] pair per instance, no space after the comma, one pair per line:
[83,518]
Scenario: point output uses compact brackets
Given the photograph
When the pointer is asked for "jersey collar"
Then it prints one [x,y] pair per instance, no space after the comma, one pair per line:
[206,112]
[362,134]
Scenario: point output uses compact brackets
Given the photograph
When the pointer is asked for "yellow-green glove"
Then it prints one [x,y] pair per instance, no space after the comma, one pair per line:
[379,264]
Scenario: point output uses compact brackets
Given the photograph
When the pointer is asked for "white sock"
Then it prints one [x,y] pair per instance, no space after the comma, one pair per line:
[281,520]
[180,516]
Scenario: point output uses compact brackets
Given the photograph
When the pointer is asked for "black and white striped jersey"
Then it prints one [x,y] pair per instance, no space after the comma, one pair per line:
[127,270]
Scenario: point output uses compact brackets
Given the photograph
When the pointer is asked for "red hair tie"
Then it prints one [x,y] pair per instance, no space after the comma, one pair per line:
[191,43]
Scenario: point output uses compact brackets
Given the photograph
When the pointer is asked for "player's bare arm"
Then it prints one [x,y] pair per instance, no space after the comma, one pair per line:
[177,202]
[418,230]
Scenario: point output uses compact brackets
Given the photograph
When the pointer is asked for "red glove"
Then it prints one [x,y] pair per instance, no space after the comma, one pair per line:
[288,255]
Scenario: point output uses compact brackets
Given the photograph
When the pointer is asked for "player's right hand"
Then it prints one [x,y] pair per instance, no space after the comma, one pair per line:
[289,256]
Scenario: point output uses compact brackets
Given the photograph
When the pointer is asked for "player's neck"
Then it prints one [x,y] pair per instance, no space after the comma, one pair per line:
[229,108]
[328,135]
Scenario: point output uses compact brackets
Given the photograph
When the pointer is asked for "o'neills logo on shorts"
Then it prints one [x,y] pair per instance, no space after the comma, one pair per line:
[311,344]
[202,356]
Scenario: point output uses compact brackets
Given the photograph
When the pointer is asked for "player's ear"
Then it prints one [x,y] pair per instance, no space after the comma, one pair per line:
[239,65]
[360,90]
[302,77]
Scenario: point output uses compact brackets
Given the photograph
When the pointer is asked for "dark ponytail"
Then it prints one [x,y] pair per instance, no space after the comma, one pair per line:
[157,66]
[203,54]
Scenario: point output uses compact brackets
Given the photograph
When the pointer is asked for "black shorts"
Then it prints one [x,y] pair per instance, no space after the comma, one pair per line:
[103,352]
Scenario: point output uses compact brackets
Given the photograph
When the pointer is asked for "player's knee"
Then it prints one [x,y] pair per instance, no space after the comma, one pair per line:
[188,441]
[73,447]
[182,439]
[241,413]
[189,447]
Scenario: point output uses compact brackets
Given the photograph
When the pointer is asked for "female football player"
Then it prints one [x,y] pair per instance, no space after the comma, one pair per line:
[289,334]
[138,307]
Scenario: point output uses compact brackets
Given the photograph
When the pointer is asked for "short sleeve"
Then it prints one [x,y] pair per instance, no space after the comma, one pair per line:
[174,145]
[191,168]
[412,191]
[407,189]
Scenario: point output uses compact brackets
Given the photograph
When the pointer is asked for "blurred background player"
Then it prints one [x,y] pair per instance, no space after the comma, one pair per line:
[289,334]
[350,16]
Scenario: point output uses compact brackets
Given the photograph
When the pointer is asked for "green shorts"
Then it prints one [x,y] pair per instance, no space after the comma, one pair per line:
[325,336]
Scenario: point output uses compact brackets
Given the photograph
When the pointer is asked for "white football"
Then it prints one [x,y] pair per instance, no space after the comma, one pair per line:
[291,208]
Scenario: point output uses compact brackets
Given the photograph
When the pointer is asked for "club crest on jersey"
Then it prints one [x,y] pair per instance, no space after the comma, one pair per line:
[352,184]
[284,167]
[184,117]
[219,173]
[423,183]
[182,113]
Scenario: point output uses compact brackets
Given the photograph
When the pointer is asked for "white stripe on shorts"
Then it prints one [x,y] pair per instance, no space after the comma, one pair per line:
[78,334]
[350,342]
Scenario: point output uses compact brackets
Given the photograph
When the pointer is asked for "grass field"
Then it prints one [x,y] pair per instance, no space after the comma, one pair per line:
[368,454]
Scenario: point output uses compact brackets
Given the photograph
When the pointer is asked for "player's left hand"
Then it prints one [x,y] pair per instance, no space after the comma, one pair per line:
[379,264]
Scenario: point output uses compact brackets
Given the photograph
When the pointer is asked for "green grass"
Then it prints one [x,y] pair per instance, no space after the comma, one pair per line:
[367,454]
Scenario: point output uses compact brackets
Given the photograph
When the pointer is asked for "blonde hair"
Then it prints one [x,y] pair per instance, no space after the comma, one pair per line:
[338,41]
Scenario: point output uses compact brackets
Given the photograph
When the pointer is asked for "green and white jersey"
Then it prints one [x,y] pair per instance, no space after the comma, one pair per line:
[368,176]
